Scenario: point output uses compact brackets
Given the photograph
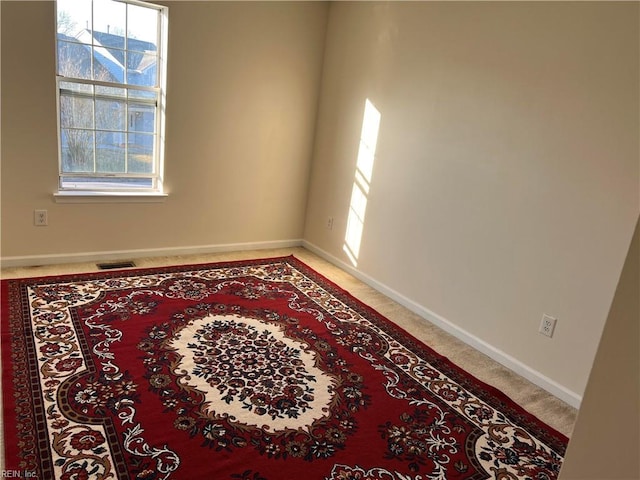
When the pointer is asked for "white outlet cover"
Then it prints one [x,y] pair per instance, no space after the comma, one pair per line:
[547,325]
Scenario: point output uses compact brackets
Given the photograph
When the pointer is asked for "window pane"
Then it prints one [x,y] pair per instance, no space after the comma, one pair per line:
[143,28]
[142,68]
[77,150]
[74,60]
[141,153]
[143,94]
[110,115]
[110,156]
[76,111]
[106,66]
[109,20]
[73,17]
[141,118]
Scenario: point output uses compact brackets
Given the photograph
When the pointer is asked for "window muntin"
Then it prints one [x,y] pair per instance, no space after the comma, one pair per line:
[110,65]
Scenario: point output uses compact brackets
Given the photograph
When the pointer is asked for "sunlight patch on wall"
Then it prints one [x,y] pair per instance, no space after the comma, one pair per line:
[362,181]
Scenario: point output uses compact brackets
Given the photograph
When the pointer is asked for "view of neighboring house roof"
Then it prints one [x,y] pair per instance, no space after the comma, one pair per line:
[108,51]
[136,47]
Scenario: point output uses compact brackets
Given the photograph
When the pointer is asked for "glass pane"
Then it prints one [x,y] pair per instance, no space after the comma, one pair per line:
[143,28]
[109,21]
[107,65]
[110,155]
[110,115]
[143,94]
[142,68]
[142,118]
[77,150]
[74,17]
[76,111]
[140,148]
[74,60]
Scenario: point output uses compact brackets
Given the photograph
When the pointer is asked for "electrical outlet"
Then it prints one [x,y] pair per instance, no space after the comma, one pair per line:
[40,218]
[330,223]
[547,325]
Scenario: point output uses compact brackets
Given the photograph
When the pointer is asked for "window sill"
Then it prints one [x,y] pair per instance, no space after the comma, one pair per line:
[69,196]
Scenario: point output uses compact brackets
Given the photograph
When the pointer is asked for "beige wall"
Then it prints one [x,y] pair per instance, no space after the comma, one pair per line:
[606,438]
[506,178]
[243,82]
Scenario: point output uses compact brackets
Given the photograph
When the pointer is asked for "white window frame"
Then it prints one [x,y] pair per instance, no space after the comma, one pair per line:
[85,189]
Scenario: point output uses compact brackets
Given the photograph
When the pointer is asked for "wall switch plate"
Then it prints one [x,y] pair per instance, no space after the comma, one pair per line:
[547,325]
[330,223]
[40,218]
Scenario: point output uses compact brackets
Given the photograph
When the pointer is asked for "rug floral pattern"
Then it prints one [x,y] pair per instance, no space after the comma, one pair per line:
[250,370]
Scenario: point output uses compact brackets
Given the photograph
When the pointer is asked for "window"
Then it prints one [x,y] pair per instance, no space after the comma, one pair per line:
[110,80]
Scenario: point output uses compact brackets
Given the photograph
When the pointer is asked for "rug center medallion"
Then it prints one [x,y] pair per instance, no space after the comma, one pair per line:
[261,377]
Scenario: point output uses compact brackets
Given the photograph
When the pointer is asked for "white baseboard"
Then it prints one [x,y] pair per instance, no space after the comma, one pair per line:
[53,259]
[537,378]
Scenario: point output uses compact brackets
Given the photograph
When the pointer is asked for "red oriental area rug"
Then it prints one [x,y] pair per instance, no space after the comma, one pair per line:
[255,370]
